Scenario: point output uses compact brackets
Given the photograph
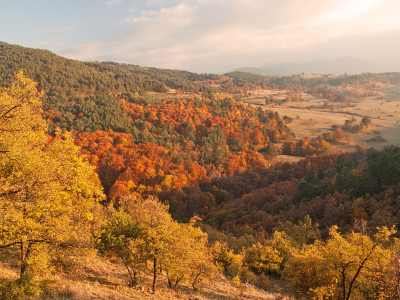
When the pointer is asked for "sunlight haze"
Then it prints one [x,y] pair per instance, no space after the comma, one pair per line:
[208,36]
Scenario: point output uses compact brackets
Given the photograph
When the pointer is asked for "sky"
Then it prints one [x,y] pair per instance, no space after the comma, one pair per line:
[206,36]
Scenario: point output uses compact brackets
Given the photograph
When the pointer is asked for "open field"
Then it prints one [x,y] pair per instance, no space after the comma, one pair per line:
[310,119]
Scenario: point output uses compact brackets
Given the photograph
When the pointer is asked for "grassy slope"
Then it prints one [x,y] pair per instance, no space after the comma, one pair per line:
[103,280]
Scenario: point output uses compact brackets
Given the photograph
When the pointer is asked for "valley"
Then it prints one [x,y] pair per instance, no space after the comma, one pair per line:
[314,115]
[131,182]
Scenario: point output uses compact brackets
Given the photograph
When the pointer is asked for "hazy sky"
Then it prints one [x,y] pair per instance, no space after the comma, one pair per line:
[206,35]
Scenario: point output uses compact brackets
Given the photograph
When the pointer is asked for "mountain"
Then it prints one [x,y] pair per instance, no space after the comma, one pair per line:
[335,66]
[91,89]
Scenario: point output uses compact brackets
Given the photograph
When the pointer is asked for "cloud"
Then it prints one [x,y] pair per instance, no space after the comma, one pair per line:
[218,35]
[40,30]
[161,2]
[85,51]
[350,10]
[70,28]
[43,43]
[113,2]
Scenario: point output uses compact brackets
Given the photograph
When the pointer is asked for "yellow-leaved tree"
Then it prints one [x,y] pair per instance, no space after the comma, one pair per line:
[344,268]
[190,259]
[47,190]
[263,259]
[142,234]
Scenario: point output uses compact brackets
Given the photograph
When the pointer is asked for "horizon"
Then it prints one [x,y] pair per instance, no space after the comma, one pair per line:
[220,73]
[208,36]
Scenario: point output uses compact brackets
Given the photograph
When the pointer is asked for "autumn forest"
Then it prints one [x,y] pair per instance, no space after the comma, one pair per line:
[179,181]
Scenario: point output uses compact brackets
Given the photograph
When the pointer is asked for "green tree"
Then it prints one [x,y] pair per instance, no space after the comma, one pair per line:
[311,186]
[122,240]
[384,166]
[271,150]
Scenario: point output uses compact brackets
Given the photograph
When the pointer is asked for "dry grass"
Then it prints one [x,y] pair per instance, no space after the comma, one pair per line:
[104,280]
[288,158]
[311,120]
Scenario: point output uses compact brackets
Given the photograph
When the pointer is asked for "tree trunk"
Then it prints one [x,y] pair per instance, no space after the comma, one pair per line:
[398,279]
[154,274]
[135,277]
[132,277]
[177,281]
[25,253]
[344,284]
[194,282]
[361,266]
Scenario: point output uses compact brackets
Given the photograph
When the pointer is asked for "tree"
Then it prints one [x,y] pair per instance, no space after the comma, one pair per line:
[384,166]
[341,268]
[191,260]
[122,239]
[305,271]
[303,233]
[222,256]
[158,229]
[143,232]
[47,190]
[311,186]
[353,258]
[271,150]
[281,242]
[228,263]
[366,121]
[388,281]
[263,259]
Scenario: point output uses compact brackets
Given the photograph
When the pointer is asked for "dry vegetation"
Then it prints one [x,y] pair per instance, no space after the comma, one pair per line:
[100,279]
[311,119]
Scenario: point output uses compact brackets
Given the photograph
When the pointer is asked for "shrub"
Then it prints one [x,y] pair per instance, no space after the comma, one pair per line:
[247,276]
[263,282]
[21,289]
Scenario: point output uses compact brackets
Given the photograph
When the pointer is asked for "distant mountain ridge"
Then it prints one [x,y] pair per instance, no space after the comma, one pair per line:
[335,66]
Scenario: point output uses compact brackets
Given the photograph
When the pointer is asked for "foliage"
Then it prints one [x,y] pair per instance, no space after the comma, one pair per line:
[262,259]
[47,190]
[303,233]
[341,268]
[73,87]
[384,166]
[254,81]
[142,233]
[197,153]
[311,186]
[23,288]
[228,262]
[306,147]
[263,282]
[122,239]
[236,282]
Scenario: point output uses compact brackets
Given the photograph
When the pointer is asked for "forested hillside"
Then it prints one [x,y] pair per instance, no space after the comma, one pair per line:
[276,82]
[181,187]
[72,87]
